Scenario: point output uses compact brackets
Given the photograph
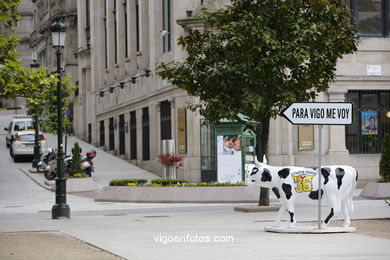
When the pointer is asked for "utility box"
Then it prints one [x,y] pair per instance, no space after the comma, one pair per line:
[235,148]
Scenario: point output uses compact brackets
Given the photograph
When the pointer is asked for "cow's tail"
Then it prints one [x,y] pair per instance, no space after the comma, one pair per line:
[354,181]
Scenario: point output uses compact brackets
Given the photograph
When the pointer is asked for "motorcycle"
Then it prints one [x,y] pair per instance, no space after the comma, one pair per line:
[86,165]
[42,165]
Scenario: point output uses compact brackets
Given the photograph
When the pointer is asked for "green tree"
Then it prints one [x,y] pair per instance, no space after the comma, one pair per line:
[256,57]
[49,112]
[76,160]
[384,163]
[14,79]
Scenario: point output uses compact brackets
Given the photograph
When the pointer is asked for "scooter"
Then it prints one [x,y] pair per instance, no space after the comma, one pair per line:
[86,165]
[45,159]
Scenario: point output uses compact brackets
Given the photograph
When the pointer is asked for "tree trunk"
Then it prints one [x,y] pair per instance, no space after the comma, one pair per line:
[262,136]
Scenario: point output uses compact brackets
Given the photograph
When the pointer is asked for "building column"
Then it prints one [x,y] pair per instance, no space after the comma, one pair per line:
[158,127]
[337,132]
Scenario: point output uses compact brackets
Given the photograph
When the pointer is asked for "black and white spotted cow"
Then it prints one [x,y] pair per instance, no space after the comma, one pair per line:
[290,183]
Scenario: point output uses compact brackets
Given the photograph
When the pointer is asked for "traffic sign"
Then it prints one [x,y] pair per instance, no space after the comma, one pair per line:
[319,113]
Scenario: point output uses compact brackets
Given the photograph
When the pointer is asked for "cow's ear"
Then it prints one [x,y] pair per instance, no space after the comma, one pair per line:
[254,171]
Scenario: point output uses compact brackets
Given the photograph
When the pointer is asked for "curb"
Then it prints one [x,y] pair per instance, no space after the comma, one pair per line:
[36,181]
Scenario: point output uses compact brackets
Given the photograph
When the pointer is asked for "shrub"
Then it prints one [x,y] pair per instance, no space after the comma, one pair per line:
[125,182]
[167,182]
[169,160]
[76,160]
[384,163]
[78,175]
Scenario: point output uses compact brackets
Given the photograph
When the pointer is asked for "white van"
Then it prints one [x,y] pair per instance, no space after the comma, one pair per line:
[18,123]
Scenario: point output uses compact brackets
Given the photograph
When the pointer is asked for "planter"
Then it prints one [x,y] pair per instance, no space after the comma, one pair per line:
[76,185]
[376,191]
[178,194]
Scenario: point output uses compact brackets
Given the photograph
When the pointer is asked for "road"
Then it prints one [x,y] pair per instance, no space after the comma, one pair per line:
[177,231]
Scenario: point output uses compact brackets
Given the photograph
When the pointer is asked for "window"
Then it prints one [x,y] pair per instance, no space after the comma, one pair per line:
[122,135]
[133,136]
[89,133]
[125,16]
[111,135]
[101,134]
[371,17]
[115,34]
[145,134]
[166,25]
[105,35]
[165,121]
[88,22]
[371,120]
[137,25]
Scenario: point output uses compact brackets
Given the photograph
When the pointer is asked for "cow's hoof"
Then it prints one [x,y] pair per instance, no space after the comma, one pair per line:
[346,225]
[324,226]
[291,225]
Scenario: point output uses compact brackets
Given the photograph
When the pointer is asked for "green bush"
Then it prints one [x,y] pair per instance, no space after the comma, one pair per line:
[125,182]
[76,160]
[167,182]
[13,108]
[384,163]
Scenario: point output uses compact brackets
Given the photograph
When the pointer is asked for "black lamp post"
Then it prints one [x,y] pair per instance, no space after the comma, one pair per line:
[60,209]
[35,65]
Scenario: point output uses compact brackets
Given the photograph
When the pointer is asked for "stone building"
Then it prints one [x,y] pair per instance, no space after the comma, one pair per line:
[45,12]
[124,107]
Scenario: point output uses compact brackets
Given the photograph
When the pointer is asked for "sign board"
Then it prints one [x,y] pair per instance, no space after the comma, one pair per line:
[374,70]
[319,113]
[182,130]
[305,137]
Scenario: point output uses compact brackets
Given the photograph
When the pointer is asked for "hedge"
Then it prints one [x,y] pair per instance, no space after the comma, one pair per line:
[125,182]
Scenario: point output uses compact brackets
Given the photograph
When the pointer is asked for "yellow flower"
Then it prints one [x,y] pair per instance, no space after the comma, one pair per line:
[131,184]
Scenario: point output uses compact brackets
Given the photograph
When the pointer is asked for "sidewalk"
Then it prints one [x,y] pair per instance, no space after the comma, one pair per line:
[107,167]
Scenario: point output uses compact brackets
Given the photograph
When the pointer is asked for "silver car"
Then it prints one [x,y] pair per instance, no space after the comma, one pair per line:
[23,144]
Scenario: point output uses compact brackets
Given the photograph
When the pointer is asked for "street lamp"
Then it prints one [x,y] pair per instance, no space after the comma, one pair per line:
[35,65]
[60,209]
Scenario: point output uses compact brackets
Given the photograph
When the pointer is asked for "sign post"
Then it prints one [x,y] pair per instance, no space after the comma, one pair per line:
[319,113]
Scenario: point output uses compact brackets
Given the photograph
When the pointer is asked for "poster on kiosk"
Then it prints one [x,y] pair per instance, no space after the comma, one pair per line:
[229,159]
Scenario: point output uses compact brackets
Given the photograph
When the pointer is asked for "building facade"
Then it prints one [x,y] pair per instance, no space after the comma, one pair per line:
[45,12]
[124,107]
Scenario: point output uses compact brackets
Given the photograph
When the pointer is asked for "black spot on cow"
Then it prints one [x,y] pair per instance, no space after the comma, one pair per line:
[287,190]
[291,216]
[283,173]
[325,172]
[328,218]
[357,175]
[339,175]
[254,171]
[266,175]
[314,194]
[276,192]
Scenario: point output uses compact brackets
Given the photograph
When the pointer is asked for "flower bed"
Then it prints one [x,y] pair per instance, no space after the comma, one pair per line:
[169,183]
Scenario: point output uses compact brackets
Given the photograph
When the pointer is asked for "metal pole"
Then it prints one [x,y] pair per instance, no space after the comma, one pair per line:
[319,175]
[60,209]
[36,143]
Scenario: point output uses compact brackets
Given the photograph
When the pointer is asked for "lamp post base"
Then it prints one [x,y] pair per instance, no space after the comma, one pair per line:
[60,211]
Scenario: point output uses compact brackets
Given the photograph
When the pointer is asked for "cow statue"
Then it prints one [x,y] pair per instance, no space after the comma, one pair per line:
[289,183]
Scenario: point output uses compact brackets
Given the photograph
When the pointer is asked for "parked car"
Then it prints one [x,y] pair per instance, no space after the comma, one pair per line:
[18,123]
[23,144]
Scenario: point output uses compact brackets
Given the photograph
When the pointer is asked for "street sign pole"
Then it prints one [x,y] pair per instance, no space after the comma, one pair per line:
[319,113]
[319,174]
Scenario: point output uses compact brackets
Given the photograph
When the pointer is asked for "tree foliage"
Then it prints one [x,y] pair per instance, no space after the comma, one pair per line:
[256,57]
[384,163]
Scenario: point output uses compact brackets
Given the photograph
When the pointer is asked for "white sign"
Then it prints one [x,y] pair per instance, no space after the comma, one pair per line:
[374,70]
[229,160]
[319,113]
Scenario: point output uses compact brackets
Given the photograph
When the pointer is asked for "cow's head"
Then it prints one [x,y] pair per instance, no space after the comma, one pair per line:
[260,175]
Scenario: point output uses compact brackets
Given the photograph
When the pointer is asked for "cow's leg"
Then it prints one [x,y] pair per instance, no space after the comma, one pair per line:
[347,208]
[281,211]
[334,203]
[291,212]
